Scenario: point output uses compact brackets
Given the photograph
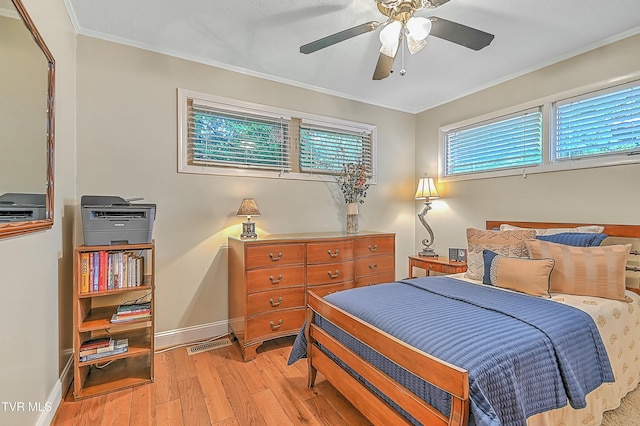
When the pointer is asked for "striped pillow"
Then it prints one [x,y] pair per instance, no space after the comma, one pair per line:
[585,271]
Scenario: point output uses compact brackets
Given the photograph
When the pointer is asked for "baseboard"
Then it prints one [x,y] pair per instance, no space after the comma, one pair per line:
[56,395]
[180,336]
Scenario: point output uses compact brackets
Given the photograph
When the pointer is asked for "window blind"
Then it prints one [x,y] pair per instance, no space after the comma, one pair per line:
[506,142]
[222,136]
[326,149]
[607,122]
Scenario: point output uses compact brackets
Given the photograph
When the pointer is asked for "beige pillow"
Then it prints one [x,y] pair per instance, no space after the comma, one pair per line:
[529,276]
[585,271]
[506,243]
[589,229]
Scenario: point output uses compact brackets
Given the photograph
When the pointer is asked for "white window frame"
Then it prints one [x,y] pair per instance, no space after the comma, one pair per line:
[184,167]
[549,164]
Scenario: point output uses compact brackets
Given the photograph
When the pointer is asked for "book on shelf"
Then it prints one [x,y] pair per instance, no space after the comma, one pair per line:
[116,318]
[99,342]
[84,272]
[99,350]
[119,346]
[128,307]
[96,269]
[102,269]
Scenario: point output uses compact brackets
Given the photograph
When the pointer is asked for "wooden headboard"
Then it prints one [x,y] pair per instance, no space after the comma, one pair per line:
[616,231]
[631,231]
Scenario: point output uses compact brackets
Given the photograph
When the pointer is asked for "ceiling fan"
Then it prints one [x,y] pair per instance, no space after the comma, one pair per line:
[402,24]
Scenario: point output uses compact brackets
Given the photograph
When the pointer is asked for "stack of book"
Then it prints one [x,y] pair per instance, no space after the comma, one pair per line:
[102,347]
[132,311]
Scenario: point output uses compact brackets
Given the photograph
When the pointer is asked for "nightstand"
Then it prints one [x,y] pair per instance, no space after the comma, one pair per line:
[437,265]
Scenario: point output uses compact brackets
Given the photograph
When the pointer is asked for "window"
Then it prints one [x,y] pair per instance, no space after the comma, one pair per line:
[601,123]
[568,131]
[240,138]
[502,143]
[324,149]
[228,137]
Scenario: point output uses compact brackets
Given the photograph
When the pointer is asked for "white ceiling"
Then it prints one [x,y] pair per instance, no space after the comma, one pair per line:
[262,38]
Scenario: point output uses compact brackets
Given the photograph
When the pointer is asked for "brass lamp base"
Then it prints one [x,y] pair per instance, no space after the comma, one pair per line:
[248,230]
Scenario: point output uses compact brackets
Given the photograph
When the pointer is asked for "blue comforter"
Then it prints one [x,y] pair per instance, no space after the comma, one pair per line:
[524,354]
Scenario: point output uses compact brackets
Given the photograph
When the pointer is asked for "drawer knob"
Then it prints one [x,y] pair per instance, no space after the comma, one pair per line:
[335,254]
[275,281]
[373,248]
[275,258]
[334,275]
[373,267]
[275,327]
[275,304]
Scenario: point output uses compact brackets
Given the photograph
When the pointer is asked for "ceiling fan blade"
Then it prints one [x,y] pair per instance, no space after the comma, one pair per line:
[436,3]
[338,37]
[460,34]
[383,67]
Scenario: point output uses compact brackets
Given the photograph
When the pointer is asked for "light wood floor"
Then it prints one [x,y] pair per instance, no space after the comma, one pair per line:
[217,388]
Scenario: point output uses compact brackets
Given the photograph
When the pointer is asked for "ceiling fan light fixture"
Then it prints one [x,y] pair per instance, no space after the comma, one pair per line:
[390,38]
[419,28]
[414,45]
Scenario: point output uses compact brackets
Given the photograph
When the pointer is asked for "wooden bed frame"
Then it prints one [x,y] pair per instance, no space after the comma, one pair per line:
[448,377]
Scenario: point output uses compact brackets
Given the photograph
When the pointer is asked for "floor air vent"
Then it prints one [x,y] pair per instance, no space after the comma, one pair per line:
[203,347]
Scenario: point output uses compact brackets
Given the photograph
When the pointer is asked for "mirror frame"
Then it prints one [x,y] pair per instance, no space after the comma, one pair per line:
[12,229]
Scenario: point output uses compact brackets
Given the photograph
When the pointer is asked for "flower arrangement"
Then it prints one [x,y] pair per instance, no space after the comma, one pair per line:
[353,182]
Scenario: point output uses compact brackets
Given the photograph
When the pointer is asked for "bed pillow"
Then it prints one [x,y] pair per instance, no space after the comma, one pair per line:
[552,231]
[506,243]
[578,239]
[530,276]
[585,271]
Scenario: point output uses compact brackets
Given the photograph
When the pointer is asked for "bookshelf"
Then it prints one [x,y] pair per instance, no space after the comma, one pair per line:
[124,279]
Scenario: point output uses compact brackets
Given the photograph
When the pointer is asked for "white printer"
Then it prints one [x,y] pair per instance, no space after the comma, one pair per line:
[110,220]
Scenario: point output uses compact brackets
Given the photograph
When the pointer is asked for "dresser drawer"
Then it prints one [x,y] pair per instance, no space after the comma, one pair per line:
[375,265]
[329,273]
[323,290]
[375,279]
[271,278]
[261,256]
[271,324]
[380,245]
[272,300]
[329,252]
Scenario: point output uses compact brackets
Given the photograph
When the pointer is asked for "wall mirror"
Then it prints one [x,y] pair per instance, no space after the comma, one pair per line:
[26,124]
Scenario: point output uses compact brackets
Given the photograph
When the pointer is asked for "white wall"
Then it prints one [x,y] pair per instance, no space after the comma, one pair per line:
[601,195]
[127,146]
[36,269]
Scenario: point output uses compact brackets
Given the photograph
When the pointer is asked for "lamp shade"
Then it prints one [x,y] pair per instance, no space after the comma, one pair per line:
[248,208]
[390,38]
[426,189]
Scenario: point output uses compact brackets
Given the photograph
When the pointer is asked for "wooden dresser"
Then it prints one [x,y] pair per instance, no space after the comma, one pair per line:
[269,278]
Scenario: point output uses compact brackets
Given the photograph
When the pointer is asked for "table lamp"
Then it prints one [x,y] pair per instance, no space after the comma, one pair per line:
[426,191]
[248,208]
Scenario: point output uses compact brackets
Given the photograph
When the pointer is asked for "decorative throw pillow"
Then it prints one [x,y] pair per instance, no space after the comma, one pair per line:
[515,273]
[578,239]
[552,231]
[506,243]
[585,271]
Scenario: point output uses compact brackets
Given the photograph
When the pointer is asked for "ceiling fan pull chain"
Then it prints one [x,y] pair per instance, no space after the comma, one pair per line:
[402,70]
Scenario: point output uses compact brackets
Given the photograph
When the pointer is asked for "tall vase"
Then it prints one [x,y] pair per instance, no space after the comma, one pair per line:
[352,218]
